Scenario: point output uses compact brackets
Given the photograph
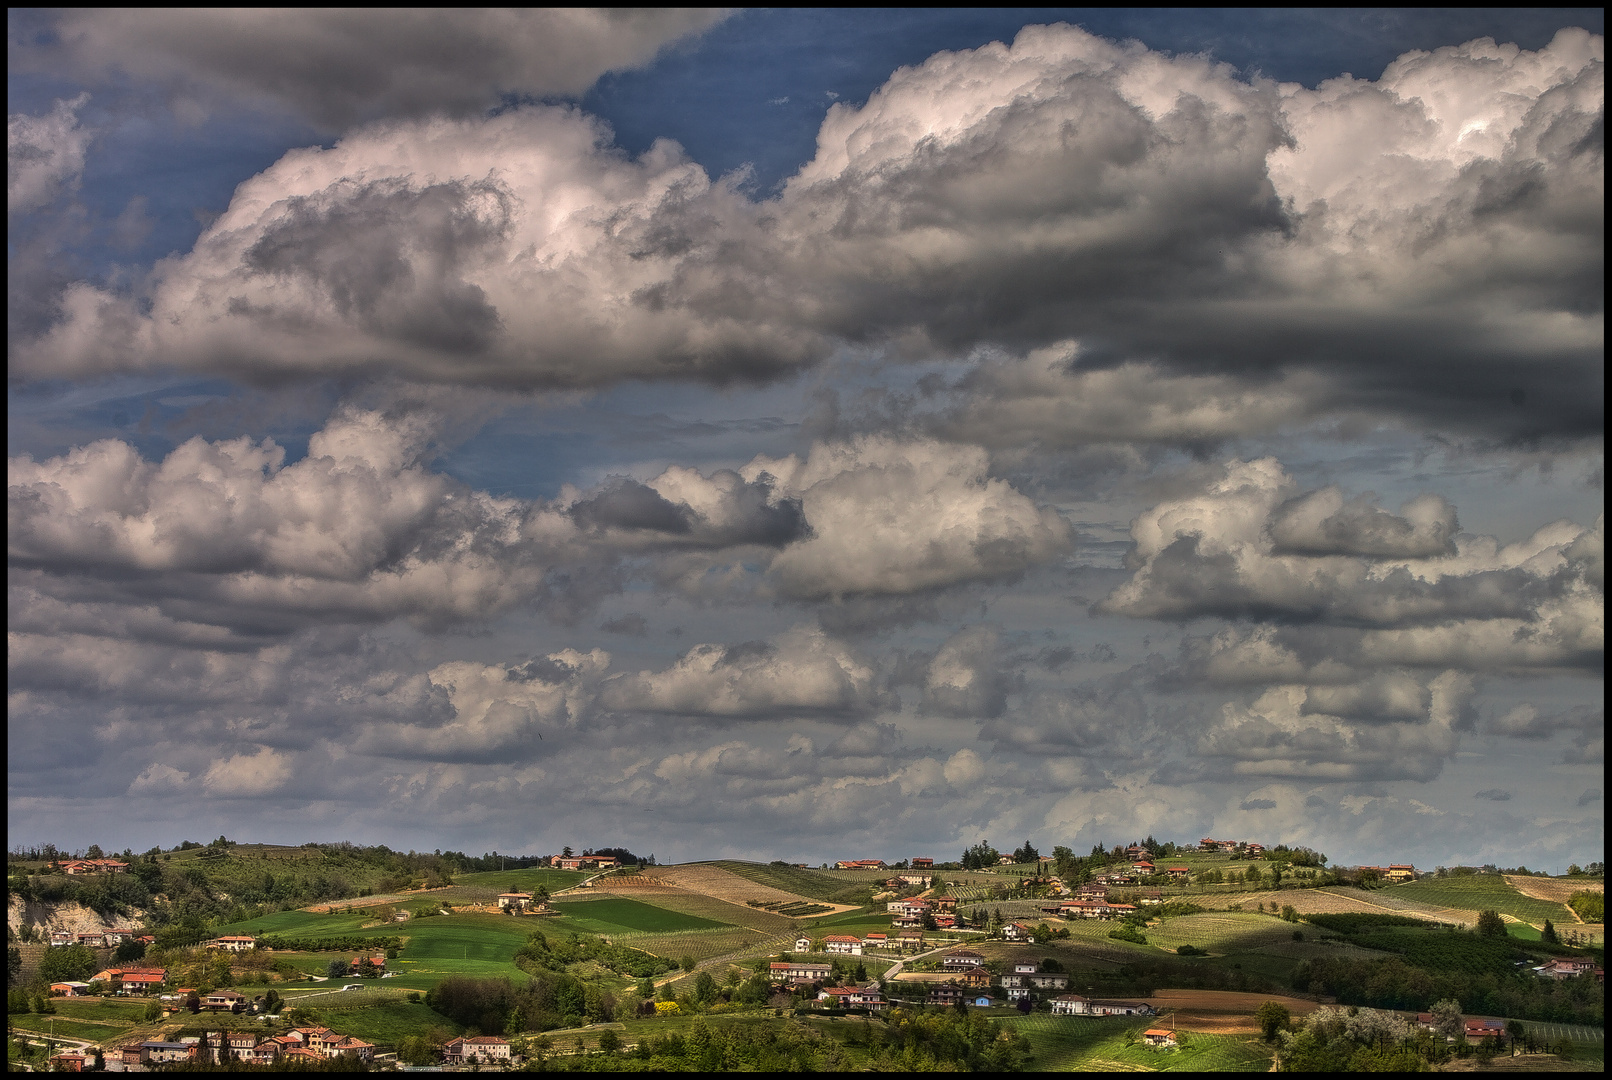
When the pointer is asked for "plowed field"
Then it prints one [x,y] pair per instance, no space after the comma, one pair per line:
[1554,889]
[1219,1012]
[723,885]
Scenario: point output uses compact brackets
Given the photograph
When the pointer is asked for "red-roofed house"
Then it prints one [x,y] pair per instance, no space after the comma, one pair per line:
[842,943]
[1178,873]
[94,866]
[234,943]
[1159,1037]
[1015,932]
[483,1048]
[923,864]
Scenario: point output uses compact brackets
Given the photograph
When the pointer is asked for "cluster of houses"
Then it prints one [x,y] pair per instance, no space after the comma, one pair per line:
[1567,967]
[584,862]
[95,866]
[914,911]
[1395,872]
[99,939]
[214,1047]
[1225,847]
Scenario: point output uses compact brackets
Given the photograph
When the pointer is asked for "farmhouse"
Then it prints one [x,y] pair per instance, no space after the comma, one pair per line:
[224,1001]
[94,866]
[1401,872]
[912,940]
[514,901]
[945,903]
[859,864]
[977,978]
[1076,1005]
[1049,980]
[799,970]
[851,995]
[843,943]
[68,989]
[803,944]
[233,943]
[1015,932]
[922,864]
[482,1048]
[67,1061]
[876,940]
[1478,1030]
[155,1051]
[61,937]
[1085,909]
[1178,873]
[958,959]
[1564,967]
[1159,1037]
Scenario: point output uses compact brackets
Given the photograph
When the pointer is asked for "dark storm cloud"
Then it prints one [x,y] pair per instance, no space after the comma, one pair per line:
[1217,256]
[338,66]
[627,504]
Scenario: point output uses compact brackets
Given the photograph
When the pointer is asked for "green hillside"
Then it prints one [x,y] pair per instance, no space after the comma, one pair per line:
[1482,892]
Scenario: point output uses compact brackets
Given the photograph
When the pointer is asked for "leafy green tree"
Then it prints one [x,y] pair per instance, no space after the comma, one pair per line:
[337,969]
[153,1012]
[646,988]
[130,951]
[13,964]
[70,963]
[687,963]
[609,1041]
[1490,924]
[416,1050]
[1272,1017]
[1447,1019]
[1548,935]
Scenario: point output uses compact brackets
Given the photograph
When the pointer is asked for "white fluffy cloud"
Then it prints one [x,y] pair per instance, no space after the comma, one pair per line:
[804,673]
[890,516]
[335,66]
[1278,735]
[1428,598]
[44,154]
[248,775]
[1233,255]
[357,528]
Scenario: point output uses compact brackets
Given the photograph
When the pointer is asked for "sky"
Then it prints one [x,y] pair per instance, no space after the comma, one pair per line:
[808,434]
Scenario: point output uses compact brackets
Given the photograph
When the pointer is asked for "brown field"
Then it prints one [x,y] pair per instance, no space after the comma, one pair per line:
[1557,890]
[715,882]
[1220,1012]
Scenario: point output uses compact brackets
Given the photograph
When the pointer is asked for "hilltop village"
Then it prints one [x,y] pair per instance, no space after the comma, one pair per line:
[1222,954]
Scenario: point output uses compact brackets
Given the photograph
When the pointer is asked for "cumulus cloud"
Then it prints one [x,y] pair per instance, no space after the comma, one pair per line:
[1229,255]
[890,516]
[1536,603]
[1257,804]
[246,776]
[1322,523]
[495,712]
[358,528]
[1493,795]
[805,672]
[158,778]
[965,677]
[1274,736]
[337,66]
[44,154]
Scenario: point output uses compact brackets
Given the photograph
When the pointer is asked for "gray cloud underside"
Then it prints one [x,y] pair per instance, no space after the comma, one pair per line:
[1229,256]
[335,67]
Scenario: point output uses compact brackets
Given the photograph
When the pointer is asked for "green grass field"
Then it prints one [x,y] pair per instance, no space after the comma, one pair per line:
[522,880]
[70,1028]
[311,924]
[613,915]
[1087,1044]
[388,1022]
[100,1009]
[1481,892]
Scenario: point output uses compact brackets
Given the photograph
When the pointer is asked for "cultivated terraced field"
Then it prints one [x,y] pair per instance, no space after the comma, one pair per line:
[1480,893]
[712,880]
[1220,932]
[1554,890]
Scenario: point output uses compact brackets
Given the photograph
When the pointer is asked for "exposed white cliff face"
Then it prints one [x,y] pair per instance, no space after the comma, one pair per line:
[65,915]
